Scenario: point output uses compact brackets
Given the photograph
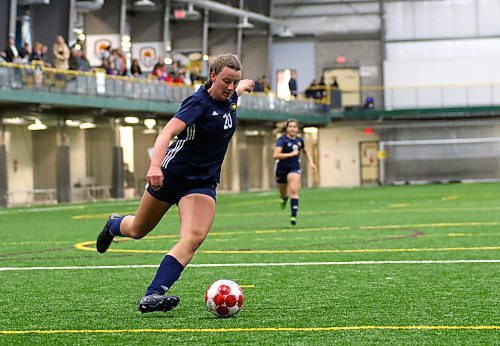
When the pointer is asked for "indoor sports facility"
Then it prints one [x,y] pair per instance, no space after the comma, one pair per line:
[398,234]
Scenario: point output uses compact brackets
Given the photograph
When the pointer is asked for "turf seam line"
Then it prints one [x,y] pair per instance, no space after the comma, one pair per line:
[205,265]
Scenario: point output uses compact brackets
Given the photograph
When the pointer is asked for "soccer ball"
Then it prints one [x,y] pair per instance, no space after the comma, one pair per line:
[224,298]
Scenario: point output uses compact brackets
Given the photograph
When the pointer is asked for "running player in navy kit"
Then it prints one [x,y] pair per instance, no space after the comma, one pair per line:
[287,155]
[185,173]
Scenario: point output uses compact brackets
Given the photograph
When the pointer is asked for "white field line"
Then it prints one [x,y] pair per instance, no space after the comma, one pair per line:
[200,265]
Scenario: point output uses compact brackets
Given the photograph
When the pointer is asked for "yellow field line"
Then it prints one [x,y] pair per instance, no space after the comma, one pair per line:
[347,250]
[242,330]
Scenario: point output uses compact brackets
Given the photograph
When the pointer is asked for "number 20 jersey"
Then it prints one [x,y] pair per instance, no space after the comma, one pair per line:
[199,150]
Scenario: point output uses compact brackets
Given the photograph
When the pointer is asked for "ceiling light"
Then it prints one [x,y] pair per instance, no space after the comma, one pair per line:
[72,123]
[144,3]
[87,125]
[150,123]
[13,121]
[286,33]
[132,120]
[310,130]
[37,125]
[150,132]
[245,24]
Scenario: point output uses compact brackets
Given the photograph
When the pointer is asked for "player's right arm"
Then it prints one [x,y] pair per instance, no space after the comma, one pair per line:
[278,153]
[154,176]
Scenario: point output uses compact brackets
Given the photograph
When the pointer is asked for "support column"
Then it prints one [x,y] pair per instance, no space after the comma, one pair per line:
[242,150]
[267,147]
[117,190]
[63,179]
[3,168]
[235,165]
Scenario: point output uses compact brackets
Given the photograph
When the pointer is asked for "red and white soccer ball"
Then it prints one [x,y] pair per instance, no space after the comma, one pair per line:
[224,298]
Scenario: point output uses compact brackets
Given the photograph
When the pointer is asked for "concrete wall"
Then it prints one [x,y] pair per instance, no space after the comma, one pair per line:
[338,146]
[48,21]
[19,163]
[99,149]
[77,155]
[358,54]
[44,158]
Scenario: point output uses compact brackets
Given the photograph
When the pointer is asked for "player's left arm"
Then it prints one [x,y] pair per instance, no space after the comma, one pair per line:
[244,85]
[309,159]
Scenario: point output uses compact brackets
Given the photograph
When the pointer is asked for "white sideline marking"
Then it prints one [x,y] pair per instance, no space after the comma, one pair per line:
[200,265]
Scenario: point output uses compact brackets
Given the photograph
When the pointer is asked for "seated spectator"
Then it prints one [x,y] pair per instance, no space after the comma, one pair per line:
[265,85]
[25,53]
[38,53]
[292,86]
[258,85]
[135,68]
[369,103]
[160,70]
[320,93]
[178,79]
[311,89]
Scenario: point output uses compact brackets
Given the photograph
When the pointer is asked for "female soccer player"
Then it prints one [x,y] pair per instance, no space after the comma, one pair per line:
[185,173]
[287,155]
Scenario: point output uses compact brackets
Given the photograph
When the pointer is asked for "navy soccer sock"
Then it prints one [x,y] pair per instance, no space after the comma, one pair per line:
[294,206]
[168,272]
[114,226]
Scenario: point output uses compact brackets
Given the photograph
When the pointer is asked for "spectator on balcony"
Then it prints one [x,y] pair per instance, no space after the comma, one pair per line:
[320,93]
[259,86]
[118,62]
[334,83]
[292,85]
[311,89]
[135,68]
[11,52]
[265,85]
[25,53]
[61,53]
[160,70]
[39,52]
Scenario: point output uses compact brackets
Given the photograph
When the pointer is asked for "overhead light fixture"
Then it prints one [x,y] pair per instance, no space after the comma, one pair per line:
[72,123]
[310,130]
[286,33]
[13,121]
[150,123]
[144,3]
[37,125]
[132,120]
[245,24]
[87,125]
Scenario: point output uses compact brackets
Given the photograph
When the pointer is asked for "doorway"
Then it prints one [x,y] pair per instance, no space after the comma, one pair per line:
[369,163]
[349,82]
[282,79]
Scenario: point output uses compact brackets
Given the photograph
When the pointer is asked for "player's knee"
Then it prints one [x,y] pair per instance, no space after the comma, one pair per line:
[138,233]
[196,239]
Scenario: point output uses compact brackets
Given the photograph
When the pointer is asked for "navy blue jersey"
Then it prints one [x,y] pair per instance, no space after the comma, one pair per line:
[288,145]
[199,150]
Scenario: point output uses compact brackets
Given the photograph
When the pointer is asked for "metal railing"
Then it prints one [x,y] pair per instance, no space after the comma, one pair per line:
[98,83]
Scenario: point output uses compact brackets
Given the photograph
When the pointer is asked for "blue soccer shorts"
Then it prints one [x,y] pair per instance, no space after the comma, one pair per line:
[281,175]
[174,188]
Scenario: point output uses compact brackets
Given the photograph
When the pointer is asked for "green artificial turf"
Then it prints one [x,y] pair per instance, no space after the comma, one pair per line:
[382,265]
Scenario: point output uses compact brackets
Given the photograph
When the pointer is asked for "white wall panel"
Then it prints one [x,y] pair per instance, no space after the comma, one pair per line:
[450,49]
[441,19]
[294,55]
[399,20]
[443,83]
[489,14]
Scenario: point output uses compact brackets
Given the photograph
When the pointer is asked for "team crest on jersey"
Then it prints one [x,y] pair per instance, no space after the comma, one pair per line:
[233,106]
